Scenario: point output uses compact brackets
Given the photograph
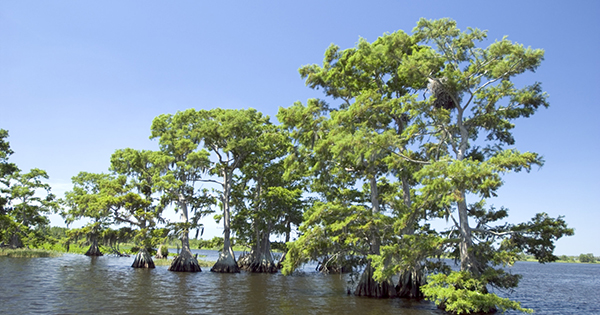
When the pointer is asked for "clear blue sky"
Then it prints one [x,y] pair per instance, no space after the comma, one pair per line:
[80,79]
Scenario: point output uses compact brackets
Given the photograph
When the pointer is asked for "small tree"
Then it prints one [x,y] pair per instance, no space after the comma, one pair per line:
[25,200]
[26,210]
[94,197]
[137,206]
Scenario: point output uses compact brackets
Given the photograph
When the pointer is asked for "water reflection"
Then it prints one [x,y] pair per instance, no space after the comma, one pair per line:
[76,284]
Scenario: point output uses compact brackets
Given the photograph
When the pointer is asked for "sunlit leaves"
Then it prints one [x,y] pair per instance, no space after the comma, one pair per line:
[459,292]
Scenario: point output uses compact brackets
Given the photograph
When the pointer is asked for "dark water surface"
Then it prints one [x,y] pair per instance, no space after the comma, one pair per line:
[77,284]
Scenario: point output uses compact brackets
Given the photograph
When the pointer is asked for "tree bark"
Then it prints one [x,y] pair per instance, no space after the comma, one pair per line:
[410,282]
[467,259]
[185,261]
[260,260]
[367,286]
[412,278]
[226,262]
[15,241]
[143,259]
[159,254]
[94,250]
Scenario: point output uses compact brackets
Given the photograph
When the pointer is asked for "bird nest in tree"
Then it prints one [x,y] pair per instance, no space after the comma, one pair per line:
[442,93]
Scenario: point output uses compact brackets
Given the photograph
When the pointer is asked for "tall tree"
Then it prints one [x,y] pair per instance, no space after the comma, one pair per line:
[472,105]
[266,203]
[367,135]
[139,208]
[232,136]
[182,164]
[94,197]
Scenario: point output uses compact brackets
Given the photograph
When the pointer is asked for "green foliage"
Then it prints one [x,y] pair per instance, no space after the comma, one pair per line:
[587,258]
[25,201]
[424,122]
[27,253]
[459,292]
[215,243]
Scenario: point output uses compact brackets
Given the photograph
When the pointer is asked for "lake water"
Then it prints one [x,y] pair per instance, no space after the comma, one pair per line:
[77,284]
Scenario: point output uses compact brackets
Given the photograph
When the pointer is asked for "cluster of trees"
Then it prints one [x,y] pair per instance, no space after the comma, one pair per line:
[238,154]
[587,258]
[422,130]
[418,128]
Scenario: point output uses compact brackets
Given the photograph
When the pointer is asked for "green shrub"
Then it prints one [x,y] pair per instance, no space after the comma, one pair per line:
[459,293]
[587,258]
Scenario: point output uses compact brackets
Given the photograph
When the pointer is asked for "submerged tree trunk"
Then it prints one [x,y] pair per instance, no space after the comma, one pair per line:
[260,259]
[412,278]
[94,250]
[226,262]
[185,261]
[410,282]
[367,286]
[143,259]
[160,253]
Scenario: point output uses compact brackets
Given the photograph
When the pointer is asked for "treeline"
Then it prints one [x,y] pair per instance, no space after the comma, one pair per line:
[419,128]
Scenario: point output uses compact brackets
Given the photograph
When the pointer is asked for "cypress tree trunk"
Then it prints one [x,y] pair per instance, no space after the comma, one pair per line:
[367,286]
[15,240]
[412,278]
[159,252]
[467,259]
[226,262]
[260,259]
[143,259]
[185,261]
[94,250]
[410,282]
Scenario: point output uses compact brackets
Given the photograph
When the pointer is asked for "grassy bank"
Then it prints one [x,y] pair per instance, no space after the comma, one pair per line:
[28,253]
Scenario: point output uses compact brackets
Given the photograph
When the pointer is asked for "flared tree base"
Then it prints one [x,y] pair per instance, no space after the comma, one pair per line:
[15,242]
[94,251]
[185,262]
[161,253]
[409,284]
[249,263]
[368,287]
[143,260]
[225,264]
